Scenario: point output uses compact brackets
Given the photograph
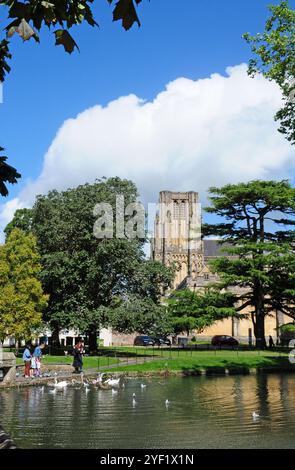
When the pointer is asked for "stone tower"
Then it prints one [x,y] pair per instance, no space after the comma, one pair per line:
[177,234]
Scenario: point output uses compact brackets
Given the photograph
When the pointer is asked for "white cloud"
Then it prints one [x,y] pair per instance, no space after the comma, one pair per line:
[193,135]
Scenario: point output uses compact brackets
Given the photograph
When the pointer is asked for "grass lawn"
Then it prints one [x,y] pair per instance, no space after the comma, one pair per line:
[88,362]
[194,360]
[175,359]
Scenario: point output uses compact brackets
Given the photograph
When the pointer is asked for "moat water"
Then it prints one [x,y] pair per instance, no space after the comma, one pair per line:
[204,412]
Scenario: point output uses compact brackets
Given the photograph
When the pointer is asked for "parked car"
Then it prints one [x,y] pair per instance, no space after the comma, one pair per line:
[144,340]
[161,341]
[224,340]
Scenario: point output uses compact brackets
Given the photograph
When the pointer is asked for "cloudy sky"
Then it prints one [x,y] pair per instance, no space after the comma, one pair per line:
[169,105]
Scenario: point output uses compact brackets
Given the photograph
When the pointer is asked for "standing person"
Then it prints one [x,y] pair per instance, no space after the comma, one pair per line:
[78,361]
[37,357]
[271,342]
[27,356]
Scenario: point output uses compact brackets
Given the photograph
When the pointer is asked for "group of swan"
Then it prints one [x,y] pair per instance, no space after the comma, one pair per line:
[106,384]
[113,384]
[63,384]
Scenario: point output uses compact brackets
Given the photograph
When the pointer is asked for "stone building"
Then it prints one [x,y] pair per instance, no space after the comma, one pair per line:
[177,239]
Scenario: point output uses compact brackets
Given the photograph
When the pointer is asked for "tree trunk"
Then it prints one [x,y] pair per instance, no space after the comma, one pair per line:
[259,330]
[93,340]
[55,342]
[259,327]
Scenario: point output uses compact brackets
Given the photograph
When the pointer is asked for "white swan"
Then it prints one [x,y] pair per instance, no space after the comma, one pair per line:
[167,402]
[143,385]
[58,385]
[255,415]
[113,382]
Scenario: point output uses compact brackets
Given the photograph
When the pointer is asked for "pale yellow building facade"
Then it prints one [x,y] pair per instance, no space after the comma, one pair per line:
[177,239]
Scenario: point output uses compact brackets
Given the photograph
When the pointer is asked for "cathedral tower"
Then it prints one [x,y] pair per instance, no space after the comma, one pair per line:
[177,234]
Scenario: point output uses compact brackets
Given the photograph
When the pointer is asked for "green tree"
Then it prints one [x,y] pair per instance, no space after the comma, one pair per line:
[198,310]
[140,314]
[259,220]
[151,279]
[22,219]
[83,274]
[274,51]
[21,296]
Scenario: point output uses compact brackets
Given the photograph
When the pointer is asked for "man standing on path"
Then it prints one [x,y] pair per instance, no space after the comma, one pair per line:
[77,353]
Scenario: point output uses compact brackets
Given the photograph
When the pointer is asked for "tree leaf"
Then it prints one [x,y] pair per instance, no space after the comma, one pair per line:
[4,55]
[8,174]
[63,37]
[125,11]
[24,30]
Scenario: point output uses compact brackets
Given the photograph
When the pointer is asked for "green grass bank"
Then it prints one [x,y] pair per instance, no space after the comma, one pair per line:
[190,361]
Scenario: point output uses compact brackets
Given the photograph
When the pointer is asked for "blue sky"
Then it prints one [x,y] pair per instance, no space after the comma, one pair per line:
[46,86]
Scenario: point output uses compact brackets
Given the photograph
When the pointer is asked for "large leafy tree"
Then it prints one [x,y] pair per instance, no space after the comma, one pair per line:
[259,221]
[274,57]
[86,276]
[22,300]
[198,310]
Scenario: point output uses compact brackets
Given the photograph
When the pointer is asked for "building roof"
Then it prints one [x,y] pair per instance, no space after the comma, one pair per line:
[214,249]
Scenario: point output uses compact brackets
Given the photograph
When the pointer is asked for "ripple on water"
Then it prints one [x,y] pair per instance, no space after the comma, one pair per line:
[204,412]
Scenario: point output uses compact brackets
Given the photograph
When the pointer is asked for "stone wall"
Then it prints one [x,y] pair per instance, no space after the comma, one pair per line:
[7,365]
[121,339]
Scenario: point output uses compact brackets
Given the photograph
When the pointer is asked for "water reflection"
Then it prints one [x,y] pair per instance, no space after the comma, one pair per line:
[201,412]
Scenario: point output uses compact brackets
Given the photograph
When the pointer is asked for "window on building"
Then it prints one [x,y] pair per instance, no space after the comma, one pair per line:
[179,210]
